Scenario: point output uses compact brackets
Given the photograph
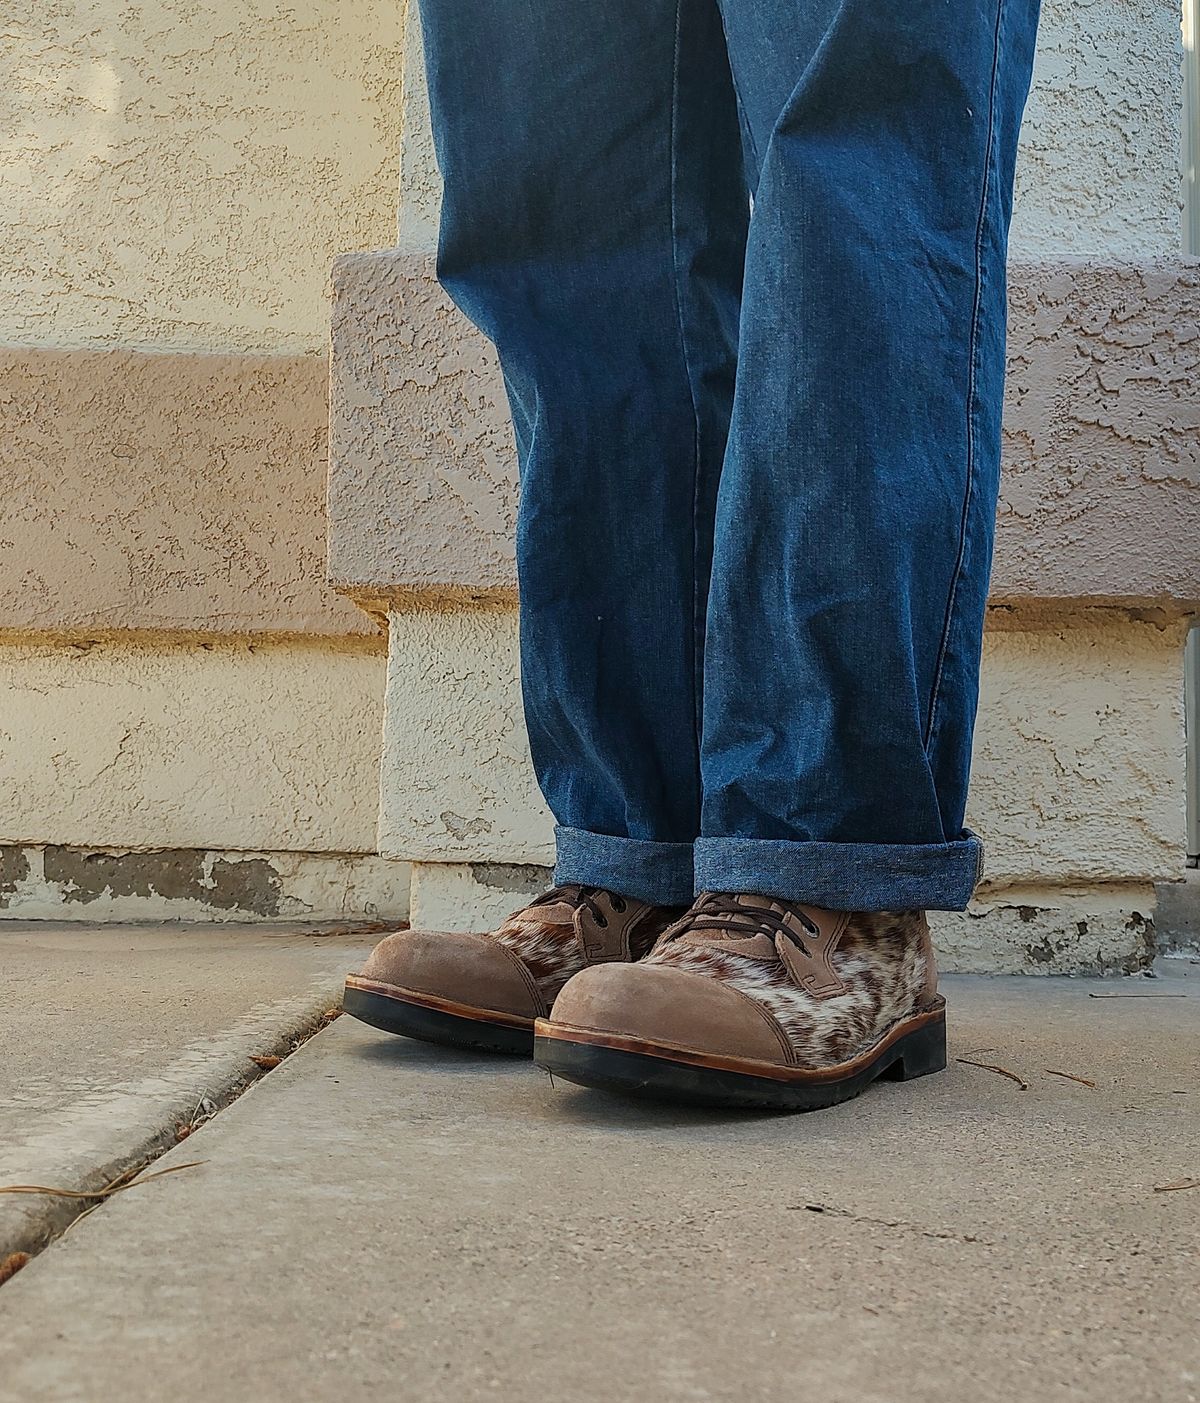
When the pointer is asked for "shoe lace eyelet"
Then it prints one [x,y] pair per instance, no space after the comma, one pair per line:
[617,903]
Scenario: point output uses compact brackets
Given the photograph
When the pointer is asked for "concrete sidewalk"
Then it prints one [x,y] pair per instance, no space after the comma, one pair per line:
[380,1220]
[115,1039]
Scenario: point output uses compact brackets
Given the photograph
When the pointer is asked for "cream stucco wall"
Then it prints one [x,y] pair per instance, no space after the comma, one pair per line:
[1099,164]
[175,673]
[456,781]
[156,743]
[1078,750]
[179,175]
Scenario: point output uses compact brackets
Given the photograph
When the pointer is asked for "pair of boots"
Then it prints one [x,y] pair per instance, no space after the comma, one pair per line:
[740,1000]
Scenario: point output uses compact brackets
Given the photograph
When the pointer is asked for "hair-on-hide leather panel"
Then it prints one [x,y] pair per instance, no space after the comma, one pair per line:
[551,950]
[880,959]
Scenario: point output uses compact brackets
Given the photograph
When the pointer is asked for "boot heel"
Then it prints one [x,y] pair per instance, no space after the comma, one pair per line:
[922,1052]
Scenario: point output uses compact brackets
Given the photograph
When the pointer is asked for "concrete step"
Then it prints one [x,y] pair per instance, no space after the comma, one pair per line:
[112,1038]
[377,1219]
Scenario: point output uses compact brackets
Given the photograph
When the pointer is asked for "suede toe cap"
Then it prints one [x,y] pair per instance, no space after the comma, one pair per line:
[657,1004]
[465,969]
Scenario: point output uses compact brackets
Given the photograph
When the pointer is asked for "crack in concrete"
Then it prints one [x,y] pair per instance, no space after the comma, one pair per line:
[942,1235]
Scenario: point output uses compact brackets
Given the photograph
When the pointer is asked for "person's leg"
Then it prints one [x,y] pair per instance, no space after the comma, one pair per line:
[593,227]
[850,568]
[855,517]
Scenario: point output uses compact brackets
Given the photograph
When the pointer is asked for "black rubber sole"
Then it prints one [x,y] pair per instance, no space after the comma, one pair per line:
[658,1077]
[433,1025]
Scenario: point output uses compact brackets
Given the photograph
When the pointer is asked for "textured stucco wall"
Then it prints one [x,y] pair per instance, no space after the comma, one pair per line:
[1079,749]
[420,182]
[1099,167]
[148,491]
[471,896]
[138,743]
[175,179]
[178,175]
[1101,454]
[422,485]
[1098,171]
[456,780]
[1079,753]
[1100,494]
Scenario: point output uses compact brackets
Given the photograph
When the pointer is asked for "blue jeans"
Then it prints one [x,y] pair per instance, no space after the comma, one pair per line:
[744,266]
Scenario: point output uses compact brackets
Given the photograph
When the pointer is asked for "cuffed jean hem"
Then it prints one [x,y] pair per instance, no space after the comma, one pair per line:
[844,876]
[660,873]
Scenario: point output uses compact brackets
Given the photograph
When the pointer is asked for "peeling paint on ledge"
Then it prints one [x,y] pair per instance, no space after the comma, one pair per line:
[1103,929]
[81,884]
[1106,929]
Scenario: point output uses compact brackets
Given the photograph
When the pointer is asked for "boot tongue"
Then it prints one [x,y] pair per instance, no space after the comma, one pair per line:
[751,902]
[803,938]
[709,926]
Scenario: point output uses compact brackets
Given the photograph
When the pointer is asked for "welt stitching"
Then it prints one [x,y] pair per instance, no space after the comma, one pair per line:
[973,348]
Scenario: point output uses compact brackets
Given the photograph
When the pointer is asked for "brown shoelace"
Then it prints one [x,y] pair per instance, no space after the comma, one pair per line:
[723,912]
[577,895]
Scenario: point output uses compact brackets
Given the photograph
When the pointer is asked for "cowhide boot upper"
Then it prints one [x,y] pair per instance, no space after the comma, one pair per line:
[768,990]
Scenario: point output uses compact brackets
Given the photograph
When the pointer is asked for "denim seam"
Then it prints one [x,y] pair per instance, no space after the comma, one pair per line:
[745,122]
[673,138]
[743,111]
[973,349]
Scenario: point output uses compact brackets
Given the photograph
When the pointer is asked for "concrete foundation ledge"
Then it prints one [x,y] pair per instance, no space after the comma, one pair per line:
[1103,929]
[191,884]
[1099,930]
